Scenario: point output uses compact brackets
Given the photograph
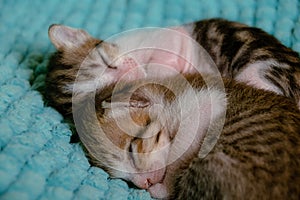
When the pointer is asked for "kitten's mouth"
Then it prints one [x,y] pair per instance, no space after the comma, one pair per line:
[146,180]
[160,181]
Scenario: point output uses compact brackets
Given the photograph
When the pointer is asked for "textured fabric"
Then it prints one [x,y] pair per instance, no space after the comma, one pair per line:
[36,159]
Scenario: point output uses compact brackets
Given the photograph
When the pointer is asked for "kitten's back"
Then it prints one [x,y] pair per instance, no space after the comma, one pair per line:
[257,155]
[251,55]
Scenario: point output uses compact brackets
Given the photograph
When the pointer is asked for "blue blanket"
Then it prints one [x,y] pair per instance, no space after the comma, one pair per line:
[36,159]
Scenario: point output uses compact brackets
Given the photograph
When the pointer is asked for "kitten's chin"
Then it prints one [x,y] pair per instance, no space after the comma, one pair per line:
[158,191]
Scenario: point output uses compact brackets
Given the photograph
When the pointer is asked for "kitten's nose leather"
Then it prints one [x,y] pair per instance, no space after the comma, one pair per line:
[145,180]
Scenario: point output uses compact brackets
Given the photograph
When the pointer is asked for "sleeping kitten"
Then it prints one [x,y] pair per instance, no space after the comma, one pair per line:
[188,145]
[85,67]
[243,53]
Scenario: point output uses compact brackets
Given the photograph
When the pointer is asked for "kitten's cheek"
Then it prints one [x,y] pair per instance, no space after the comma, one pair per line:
[158,191]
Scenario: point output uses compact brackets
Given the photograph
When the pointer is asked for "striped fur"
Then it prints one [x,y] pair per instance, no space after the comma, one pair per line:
[257,154]
[243,53]
[235,47]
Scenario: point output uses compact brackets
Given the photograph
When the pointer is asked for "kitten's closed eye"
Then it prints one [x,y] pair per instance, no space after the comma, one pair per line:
[108,52]
[130,148]
[107,61]
[104,55]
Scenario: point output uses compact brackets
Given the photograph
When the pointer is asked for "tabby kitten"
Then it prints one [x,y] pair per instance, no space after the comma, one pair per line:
[242,53]
[240,164]
[188,145]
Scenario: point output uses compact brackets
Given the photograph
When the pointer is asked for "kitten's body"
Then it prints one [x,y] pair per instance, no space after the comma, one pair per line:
[240,164]
[250,55]
[256,155]
[243,53]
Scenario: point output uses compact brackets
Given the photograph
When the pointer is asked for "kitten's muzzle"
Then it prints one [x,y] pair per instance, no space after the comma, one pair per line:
[147,179]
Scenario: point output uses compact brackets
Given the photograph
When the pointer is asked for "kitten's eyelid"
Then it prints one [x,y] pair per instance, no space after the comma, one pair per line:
[114,45]
[158,136]
[130,154]
[130,148]
[104,57]
[96,65]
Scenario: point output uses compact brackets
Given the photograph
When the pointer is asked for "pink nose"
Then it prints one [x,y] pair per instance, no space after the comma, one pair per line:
[145,180]
[147,183]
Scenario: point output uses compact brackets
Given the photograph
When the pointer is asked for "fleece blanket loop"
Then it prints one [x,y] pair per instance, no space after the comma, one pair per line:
[36,159]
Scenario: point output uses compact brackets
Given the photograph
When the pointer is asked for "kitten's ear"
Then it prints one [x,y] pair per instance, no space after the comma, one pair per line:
[126,98]
[136,102]
[139,102]
[64,37]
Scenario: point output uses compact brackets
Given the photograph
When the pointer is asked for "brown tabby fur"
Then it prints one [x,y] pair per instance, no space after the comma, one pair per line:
[233,46]
[257,154]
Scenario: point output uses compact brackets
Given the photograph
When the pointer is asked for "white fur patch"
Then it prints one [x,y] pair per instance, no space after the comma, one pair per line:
[252,75]
[198,110]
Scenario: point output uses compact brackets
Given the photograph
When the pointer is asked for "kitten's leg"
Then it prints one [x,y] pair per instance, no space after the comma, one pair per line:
[214,177]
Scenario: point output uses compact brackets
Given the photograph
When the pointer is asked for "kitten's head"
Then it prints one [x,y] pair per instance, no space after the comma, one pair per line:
[129,134]
[93,63]
[126,125]
[127,138]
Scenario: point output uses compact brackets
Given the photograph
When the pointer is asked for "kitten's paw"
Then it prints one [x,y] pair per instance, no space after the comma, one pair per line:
[158,191]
